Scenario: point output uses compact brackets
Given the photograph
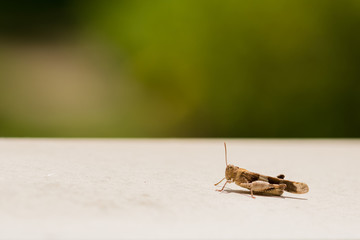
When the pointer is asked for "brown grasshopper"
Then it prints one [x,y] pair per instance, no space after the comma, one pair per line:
[258,183]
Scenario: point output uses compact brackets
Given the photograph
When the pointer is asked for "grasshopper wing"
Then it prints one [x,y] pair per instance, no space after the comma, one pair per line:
[291,186]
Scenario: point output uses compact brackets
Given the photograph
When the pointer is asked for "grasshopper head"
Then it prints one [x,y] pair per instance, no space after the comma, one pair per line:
[230,172]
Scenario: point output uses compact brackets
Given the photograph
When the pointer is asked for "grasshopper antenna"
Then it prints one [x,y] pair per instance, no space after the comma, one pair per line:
[225,154]
[226,166]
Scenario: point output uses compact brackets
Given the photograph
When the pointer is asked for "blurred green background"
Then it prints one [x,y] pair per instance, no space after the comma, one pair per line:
[180,68]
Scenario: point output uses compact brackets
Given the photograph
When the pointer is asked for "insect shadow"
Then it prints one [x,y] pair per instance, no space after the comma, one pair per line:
[260,194]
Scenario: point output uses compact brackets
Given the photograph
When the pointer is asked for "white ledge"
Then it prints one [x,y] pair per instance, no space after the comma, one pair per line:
[164,188]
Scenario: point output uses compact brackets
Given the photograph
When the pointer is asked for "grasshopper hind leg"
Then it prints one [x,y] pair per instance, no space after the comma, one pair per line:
[264,188]
[275,191]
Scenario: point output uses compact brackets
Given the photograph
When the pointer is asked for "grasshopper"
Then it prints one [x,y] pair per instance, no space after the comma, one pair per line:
[258,183]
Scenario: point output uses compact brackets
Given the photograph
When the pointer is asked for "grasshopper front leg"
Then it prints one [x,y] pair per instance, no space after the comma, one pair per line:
[219,181]
[228,181]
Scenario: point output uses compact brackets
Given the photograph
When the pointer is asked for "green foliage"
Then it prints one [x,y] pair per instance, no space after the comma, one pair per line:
[244,68]
[230,68]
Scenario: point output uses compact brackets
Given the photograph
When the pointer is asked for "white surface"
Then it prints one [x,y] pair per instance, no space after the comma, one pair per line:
[150,189]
